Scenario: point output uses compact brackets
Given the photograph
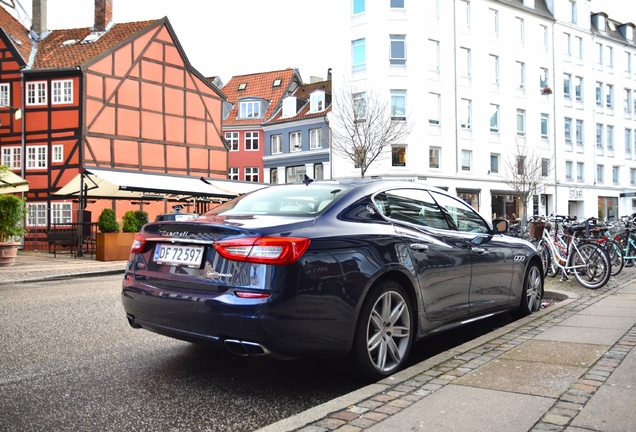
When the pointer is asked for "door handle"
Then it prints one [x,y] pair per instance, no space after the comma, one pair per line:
[478,250]
[419,246]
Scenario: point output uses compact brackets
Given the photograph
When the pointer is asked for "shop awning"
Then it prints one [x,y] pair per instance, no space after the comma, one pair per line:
[119,184]
[12,183]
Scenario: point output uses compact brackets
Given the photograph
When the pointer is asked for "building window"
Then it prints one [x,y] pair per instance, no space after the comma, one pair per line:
[609,59]
[494,69]
[296,173]
[578,89]
[632,177]
[628,62]
[544,126]
[494,118]
[62,91]
[599,93]
[250,109]
[232,139]
[434,154]
[521,122]
[251,174]
[609,96]
[36,157]
[579,133]
[398,156]
[465,112]
[579,47]
[359,54]
[463,13]
[567,44]
[580,171]
[520,29]
[434,108]
[36,216]
[58,153]
[397,4]
[464,62]
[12,157]
[467,159]
[319,171]
[273,176]
[610,137]
[61,213]
[573,12]
[545,167]
[360,106]
[599,136]
[315,138]
[5,96]
[251,140]
[521,74]
[494,21]
[600,173]
[568,130]
[433,55]
[36,93]
[544,36]
[628,141]
[358,6]
[398,50]
[616,173]
[599,53]
[494,163]
[567,86]
[276,144]
[398,104]
[568,170]
[543,77]
[295,142]
[317,101]
[233,174]
[289,106]
[521,165]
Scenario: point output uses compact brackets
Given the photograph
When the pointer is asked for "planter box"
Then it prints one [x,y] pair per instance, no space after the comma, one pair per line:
[8,253]
[114,246]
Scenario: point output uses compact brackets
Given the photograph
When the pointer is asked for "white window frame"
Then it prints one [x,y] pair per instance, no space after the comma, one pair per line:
[494,114]
[567,130]
[434,153]
[579,133]
[232,139]
[317,101]
[609,96]
[600,173]
[36,157]
[465,113]
[520,29]
[522,75]
[12,157]
[5,94]
[609,135]
[580,171]
[494,13]
[627,100]
[628,141]
[398,104]
[58,153]
[62,92]
[579,47]
[233,173]
[359,52]
[295,141]
[289,106]
[599,136]
[521,122]
[545,126]
[250,109]
[434,107]
[397,56]
[574,12]
[494,163]
[61,213]
[616,174]
[467,160]
[434,60]
[251,174]
[36,214]
[252,138]
[494,68]
[568,44]
[578,88]
[463,15]
[465,61]
[567,86]
[569,167]
[315,139]
[36,93]
[276,144]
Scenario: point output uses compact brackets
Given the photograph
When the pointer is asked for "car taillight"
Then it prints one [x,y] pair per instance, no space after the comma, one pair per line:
[138,244]
[265,250]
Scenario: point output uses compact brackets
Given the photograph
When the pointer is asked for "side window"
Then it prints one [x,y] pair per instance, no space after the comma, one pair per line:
[413,206]
[462,215]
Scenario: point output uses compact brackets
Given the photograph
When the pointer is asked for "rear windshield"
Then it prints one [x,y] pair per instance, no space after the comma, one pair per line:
[290,200]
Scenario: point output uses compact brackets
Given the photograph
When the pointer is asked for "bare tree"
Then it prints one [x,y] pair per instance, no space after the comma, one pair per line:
[525,171]
[364,126]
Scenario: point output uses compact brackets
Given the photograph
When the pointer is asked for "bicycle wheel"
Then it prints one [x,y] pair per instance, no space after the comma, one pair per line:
[549,268]
[590,265]
[616,256]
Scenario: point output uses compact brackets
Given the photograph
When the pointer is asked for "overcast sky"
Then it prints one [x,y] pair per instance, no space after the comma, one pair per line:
[236,37]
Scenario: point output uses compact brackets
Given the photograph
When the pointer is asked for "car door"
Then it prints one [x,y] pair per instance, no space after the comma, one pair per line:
[492,257]
[440,259]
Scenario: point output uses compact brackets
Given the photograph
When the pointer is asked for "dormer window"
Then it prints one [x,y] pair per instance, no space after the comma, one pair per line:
[289,106]
[317,101]
[277,82]
[629,33]
[250,109]
[601,23]
[242,86]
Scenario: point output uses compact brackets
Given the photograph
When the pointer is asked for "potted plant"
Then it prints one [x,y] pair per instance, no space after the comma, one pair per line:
[112,245]
[12,213]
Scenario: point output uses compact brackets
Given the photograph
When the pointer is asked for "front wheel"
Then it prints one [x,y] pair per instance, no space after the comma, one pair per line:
[616,256]
[590,264]
[384,334]
[532,291]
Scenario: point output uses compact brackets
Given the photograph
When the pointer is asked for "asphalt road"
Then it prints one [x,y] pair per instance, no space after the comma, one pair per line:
[69,361]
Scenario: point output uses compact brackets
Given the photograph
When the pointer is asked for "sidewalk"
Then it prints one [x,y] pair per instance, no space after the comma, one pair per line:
[569,367]
[35,266]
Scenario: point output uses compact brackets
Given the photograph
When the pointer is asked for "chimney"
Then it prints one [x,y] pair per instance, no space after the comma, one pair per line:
[103,14]
[38,24]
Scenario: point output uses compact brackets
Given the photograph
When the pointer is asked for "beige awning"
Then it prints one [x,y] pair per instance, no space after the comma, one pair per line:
[118,184]
[12,183]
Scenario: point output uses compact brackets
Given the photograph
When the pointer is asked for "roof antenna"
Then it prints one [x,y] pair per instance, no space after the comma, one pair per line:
[307,180]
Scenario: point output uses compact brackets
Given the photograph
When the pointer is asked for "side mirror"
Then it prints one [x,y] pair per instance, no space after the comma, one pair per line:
[500,226]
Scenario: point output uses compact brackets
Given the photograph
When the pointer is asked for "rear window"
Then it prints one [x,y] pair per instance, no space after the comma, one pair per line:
[290,200]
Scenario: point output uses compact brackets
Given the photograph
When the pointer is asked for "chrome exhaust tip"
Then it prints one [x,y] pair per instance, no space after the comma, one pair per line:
[244,348]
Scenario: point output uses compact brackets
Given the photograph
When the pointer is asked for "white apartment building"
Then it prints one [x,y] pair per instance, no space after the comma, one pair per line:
[480,79]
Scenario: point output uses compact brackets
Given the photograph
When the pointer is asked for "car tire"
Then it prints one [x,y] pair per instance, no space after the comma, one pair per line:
[384,334]
[532,291]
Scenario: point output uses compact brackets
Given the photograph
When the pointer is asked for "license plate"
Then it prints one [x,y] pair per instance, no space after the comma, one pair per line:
[190,256]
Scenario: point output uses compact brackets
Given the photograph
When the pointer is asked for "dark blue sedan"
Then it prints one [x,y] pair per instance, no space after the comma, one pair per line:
[352,269]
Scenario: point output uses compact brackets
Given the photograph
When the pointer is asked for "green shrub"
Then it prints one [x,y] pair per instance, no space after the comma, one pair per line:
[107,222]
[142,219]
[134,220]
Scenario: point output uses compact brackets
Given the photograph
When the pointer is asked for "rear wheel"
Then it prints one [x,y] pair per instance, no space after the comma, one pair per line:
[591,265]
[384,334]
[549,268]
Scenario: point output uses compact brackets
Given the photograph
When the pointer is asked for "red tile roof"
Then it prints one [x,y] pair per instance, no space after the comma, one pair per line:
[258,85]
[304,93]
[52,54]
[16,32]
